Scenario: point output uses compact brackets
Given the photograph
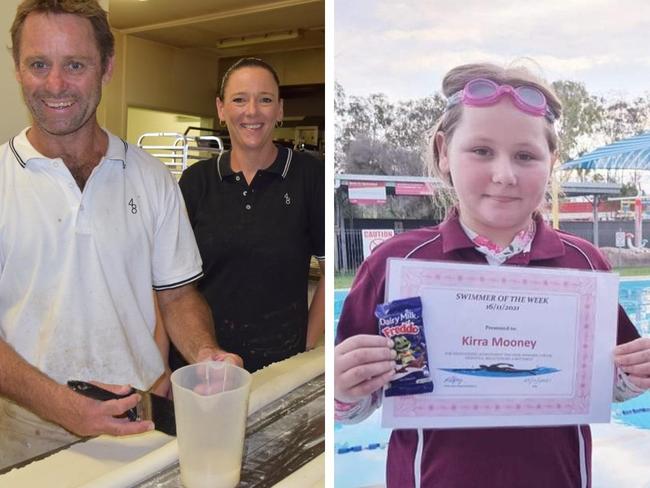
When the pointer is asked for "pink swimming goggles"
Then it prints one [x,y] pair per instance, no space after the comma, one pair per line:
[481,92]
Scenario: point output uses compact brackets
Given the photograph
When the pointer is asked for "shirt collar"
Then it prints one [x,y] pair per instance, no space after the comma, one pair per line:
[546,244]
[25,152]
[280,165]
[453,236]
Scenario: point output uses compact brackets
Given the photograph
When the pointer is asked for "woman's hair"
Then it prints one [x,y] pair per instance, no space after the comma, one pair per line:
[247,63]
[88,9]
[455,81]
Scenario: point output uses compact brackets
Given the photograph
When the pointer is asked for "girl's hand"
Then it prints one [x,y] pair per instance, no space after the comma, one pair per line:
[634,359]
[362,364]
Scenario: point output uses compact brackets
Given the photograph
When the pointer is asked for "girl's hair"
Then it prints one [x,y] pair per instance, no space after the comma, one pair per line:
[455,81]
[247,63]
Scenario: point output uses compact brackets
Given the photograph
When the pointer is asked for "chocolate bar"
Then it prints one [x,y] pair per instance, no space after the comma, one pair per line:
[401,321]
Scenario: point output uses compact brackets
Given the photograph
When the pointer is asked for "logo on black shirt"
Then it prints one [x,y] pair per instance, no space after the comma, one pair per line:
[287,199]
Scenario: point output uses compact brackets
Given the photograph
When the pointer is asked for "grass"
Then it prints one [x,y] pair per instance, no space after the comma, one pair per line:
[344,280]
[633,271]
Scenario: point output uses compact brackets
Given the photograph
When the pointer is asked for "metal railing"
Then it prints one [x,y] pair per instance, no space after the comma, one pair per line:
[349,250]
[176,150]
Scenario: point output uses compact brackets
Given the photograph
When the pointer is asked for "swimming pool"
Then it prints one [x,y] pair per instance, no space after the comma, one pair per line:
[361,449]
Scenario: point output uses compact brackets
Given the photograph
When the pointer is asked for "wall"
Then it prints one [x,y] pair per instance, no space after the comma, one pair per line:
[111,112]
[162,77]
[294,68]
[156,76]
[142,120]
[15,115]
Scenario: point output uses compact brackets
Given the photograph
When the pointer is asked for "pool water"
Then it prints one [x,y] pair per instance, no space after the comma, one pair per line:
[361,449]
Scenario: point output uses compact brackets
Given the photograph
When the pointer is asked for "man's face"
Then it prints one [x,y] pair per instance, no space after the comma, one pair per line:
[60,71]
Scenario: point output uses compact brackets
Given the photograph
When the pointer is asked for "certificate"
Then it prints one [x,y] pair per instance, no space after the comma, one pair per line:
[508,346]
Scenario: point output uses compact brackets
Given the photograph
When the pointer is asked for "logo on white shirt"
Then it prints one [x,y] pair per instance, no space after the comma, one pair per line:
[134,207]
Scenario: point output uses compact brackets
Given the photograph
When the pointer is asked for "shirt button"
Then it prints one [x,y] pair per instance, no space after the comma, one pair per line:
[237,178]
[245,192]
[248,207]
[55,164]
[70,185]
[81,207]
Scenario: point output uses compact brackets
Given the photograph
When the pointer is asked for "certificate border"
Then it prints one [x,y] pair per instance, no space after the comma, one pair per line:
[413,278]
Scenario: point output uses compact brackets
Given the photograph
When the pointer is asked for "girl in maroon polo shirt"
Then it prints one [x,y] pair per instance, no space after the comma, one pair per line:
[495,146]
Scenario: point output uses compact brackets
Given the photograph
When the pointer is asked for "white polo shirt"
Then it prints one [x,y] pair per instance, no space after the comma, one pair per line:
[77,269]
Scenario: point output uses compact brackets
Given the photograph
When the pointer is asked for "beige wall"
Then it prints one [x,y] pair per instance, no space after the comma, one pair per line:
[142,120]
[294,68]
[165,78]
[14,114]
[111,112]
[158,77]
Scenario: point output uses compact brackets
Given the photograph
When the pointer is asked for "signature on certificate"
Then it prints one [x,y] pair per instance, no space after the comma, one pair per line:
[453,380]
[536,381]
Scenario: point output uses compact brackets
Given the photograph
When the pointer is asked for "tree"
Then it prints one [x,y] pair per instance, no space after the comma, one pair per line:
[340,112]
[581,115]
[413,121]
[624,119]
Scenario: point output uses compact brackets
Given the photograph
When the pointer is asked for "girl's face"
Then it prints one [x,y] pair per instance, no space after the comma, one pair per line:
[499,162]
[250,108]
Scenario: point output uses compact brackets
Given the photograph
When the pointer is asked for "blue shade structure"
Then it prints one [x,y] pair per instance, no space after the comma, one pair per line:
[630,153]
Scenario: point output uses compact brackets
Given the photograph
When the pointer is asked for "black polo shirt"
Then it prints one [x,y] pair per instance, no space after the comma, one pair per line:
[256,242]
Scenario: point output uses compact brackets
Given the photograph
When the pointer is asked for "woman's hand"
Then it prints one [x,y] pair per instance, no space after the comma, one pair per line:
[362,364]
[634,359]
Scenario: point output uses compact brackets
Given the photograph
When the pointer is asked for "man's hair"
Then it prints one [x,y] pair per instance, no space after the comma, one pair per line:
[88,9]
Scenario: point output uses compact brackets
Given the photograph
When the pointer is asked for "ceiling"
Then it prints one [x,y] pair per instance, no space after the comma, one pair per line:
[204,23]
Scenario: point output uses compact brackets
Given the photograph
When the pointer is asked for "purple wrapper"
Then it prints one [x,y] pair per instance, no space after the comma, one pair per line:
[401,321]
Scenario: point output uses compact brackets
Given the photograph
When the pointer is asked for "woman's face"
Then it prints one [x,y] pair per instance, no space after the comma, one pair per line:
[499,162]
[250,108]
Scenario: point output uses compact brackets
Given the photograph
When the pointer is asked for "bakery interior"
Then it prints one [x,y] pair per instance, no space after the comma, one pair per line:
[170,57]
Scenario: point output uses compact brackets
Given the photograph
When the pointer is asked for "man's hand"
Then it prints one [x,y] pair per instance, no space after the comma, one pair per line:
[84,416]
[214,354]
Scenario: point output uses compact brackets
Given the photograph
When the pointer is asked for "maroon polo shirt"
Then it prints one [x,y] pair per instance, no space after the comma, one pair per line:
[548,457]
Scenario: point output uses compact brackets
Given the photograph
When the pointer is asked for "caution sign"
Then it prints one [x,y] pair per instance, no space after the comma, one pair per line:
[373,237]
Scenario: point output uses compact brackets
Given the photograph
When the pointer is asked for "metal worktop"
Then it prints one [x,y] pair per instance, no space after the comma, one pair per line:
[280,438]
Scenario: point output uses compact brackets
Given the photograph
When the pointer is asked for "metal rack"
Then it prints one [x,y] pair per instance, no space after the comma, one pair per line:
[177,150]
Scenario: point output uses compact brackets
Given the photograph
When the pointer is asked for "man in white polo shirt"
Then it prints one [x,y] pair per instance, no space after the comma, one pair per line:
[89,225]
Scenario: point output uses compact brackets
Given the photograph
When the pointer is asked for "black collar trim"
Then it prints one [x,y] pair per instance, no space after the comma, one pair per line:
[22,162]
[16,155]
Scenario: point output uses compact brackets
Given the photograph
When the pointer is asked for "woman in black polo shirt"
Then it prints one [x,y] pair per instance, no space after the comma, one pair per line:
[258,215]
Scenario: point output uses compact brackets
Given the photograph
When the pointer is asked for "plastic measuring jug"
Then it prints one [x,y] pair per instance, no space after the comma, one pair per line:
[211,406]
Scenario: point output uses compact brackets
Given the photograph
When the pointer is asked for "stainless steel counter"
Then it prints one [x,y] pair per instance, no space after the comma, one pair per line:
[280,438]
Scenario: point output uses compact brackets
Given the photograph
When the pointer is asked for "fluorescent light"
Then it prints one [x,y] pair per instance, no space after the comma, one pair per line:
[259,39]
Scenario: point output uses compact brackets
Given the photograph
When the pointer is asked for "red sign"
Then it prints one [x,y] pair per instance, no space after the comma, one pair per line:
[413,189]
[366,192]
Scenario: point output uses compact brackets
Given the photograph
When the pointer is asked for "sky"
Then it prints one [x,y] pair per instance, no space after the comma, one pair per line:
[403,48]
